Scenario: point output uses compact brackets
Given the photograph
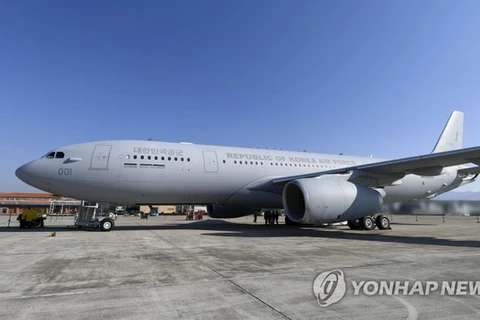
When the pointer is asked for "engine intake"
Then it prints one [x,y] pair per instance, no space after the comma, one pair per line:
[317,201]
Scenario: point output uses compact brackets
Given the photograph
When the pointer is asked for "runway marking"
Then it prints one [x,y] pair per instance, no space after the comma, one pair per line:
[412,312]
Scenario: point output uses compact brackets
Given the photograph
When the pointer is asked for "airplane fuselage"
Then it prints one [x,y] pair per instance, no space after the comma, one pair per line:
[150,172]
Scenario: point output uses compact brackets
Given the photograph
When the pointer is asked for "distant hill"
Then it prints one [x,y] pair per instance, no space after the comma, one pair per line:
[465,196]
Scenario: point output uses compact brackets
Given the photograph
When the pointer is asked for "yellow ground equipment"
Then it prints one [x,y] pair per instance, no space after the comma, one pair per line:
[31,218]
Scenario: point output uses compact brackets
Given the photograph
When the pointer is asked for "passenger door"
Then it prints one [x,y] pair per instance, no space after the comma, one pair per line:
[100,157]
[210,161]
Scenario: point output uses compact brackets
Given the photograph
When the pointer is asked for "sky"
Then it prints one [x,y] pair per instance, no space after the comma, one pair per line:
[354,77]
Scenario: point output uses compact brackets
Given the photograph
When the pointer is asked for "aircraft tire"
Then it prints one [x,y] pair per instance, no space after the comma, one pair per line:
[354,224]
[383,223]
[367,223]
[106,225]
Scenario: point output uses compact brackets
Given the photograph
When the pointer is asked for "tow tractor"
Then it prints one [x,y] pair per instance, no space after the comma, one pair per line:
[87,217]
[31,218]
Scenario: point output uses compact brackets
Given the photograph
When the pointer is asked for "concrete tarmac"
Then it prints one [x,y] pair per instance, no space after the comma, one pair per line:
[169,268]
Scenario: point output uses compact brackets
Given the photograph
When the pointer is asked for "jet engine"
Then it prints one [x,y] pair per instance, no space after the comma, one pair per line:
[317,201]
[226,211]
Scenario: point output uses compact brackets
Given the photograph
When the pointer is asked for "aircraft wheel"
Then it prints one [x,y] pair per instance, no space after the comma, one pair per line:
[354,224]
[383,223]
[367,223]
[106,225]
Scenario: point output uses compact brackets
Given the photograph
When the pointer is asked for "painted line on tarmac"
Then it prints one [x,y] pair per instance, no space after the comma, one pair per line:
[412,312]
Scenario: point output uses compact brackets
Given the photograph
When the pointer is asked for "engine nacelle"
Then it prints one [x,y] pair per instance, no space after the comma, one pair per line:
[317,201]
[226,211]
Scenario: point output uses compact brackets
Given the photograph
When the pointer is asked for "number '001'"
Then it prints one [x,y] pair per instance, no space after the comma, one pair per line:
[65,171]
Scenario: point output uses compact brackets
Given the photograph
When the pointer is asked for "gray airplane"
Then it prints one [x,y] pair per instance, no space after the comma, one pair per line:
[312,188]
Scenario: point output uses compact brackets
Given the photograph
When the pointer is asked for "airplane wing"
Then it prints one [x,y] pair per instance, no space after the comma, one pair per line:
[429,164]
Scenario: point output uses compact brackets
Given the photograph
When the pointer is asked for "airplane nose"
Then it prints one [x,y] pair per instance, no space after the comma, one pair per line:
[34,174]
[24,172]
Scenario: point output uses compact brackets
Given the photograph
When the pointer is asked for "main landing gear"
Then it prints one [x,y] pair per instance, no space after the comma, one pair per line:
[370,222]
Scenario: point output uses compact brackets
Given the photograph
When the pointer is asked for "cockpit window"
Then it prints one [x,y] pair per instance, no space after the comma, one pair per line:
[55,155]
[50,155]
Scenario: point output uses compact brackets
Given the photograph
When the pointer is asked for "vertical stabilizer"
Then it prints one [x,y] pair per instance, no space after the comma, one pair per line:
[452,135]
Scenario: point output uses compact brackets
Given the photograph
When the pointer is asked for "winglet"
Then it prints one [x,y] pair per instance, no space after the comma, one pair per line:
[452,135]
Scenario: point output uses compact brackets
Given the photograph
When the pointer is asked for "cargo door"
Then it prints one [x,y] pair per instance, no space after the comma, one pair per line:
[100,157]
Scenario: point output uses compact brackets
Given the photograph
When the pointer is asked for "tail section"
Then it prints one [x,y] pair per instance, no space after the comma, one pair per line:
[452,135]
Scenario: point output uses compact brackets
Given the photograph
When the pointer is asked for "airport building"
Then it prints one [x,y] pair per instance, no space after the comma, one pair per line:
[16,202]
[172,209]
[160,209]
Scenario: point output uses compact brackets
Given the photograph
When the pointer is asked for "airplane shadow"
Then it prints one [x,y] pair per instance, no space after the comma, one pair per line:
[224,228]
[412,224]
